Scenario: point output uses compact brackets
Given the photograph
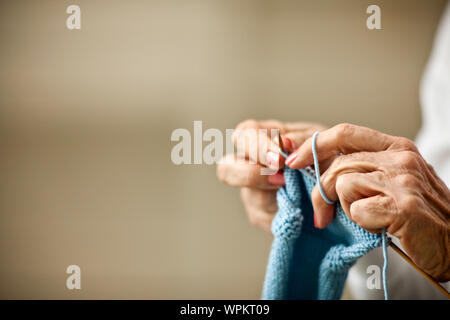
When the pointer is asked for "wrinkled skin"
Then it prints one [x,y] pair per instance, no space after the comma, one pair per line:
[381,181]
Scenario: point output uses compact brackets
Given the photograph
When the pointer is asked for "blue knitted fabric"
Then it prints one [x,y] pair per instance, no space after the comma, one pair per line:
[305,262]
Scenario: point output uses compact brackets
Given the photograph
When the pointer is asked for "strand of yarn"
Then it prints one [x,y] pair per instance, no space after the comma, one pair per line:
[385,243]
[384,238]
[316,167]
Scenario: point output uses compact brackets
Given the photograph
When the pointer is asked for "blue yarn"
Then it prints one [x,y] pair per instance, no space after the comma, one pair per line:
[385,243]
[316,167]
[322,193]
[306,262]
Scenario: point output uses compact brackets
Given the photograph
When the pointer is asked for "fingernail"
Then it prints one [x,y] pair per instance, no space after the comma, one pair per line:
[288,144]
[273,159]
[277,179]
[291,158]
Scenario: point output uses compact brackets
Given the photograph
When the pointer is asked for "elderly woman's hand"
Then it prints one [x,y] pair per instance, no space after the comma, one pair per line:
[258,191]
[382,181]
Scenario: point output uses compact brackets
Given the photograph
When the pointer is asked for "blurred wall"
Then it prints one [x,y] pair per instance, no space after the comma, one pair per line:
[86,118]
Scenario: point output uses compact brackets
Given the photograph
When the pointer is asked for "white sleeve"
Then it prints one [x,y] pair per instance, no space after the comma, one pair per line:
[434,137]
[434,144]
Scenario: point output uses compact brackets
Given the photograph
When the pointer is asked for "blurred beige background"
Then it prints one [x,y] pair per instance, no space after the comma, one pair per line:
[86,118]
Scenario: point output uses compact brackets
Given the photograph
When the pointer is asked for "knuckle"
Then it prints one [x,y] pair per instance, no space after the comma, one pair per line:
[408,180]
[342,182]
[356,210]
[409,159]
[406,144]
[336,167]
[327,180]
[409,204]
[344,130]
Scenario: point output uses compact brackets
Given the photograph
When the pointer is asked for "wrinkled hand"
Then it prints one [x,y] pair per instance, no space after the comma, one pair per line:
[381,182]
[258,192]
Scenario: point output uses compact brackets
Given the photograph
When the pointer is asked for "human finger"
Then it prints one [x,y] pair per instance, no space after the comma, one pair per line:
[343,138]
[241,173]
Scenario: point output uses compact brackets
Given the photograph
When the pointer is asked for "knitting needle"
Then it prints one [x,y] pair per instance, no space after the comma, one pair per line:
[415,266]
[397,249]
[280,142]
